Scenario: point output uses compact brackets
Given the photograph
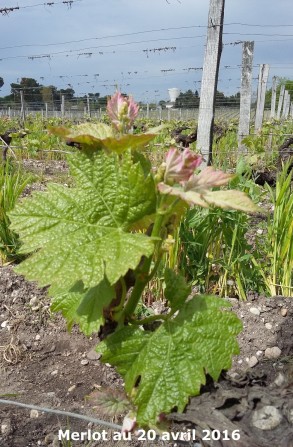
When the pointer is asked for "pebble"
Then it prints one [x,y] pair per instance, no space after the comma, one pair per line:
[284,312]
[252,361]
[6,428]
[35,308]
[268,326]
[70,389]
[254,311]
[258,353]
[266,418]
[37,337]
[4,323]
[280,379]
[273,353]
[84,362]
[93,355]
[34,414]
[34,301]
[54,373]
[49,438]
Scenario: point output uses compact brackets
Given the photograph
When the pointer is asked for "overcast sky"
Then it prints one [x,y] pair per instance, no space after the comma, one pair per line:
[143,46]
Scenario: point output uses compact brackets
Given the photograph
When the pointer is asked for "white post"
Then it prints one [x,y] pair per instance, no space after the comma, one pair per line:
[62,106]
[22,110]
[261,95]
[280,103]
[286,105]
[273,99]
[245,92]
[210,79]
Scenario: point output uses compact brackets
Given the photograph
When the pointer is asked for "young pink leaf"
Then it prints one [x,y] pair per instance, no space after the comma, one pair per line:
[180,165]
[122,111]
[208,178]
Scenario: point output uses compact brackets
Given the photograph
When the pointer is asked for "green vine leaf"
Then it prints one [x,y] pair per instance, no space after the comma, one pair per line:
[200,339]
[93,137]
[83,306]
[81,233]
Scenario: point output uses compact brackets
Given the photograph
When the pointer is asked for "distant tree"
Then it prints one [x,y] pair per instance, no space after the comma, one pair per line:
[162,104]
[68,93]
[1,82]
[187,100]
[31,90]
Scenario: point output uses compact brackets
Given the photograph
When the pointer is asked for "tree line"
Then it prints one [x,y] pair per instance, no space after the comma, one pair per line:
[37,95]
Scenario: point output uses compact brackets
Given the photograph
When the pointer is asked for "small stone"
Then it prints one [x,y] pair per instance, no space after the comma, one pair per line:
[252,361]
[34,301]
[93,355]
[259,231]
[4,323]
[254,311]
[280,379]
[273,353]
[84,362]
[35,308]
[70,389]
[34,414]
[54,373]
[268,326]
[6,428]
[266,418]
[284,312]
[258,353]
[37,337]
[49,438]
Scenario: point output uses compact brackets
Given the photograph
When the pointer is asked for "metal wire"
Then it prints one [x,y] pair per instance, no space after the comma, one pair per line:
[62,413]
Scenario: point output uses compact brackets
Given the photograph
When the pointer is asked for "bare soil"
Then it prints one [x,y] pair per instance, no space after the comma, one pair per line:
[44,365]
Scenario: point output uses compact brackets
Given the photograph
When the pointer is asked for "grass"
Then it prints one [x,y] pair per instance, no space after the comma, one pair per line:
[279,275]
[12,183]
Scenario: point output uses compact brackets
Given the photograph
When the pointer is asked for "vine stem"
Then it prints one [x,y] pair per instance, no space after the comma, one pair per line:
[143,273]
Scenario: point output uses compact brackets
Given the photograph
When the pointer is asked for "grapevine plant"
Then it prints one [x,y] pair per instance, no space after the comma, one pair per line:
[99,243]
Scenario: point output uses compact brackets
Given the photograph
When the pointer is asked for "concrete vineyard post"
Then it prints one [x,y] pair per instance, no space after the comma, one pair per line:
[210,79]
[22,110]
[245,92]
[274,95]
[280,103]
[261,95]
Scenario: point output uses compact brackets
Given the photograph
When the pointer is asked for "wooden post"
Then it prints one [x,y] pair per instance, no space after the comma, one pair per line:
[22,109]
[274,95]
[210,79]
[245,92]
[261,95]
[280,103]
